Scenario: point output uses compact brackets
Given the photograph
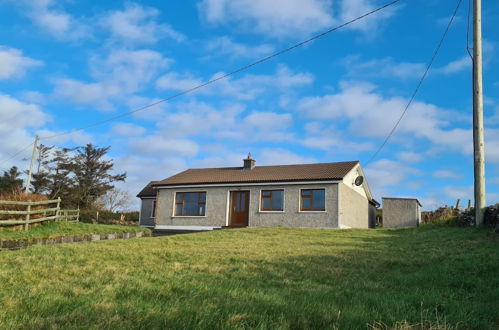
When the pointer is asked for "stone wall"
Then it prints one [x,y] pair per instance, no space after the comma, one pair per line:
[14,244]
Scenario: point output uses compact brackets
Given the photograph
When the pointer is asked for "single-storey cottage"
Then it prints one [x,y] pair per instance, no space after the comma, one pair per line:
[323,195]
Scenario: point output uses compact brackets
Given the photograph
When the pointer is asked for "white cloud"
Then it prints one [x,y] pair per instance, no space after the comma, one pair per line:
[279,156]
[176,81]
[277,18]
[248,87]
[137,24]
[331,139]
[446,174]
[409,157]
[198,118]
[385,68]
[121,73]
[129,68]
[459,65]
[223,46]
[158,168]
[160,146]
[149,114]
[229,122]
[14,64]
[390,68]
[458,192]
[492,145]
[350,9]
[386,174]
[368,113]
[127,129]
[49,16]
[34,97]
[95,94]
[75,137]
[17,119]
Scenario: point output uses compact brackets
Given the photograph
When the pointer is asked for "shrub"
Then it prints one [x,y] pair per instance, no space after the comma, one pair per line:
[462,218]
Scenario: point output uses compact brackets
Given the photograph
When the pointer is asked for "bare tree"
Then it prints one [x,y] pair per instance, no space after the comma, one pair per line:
[115,200]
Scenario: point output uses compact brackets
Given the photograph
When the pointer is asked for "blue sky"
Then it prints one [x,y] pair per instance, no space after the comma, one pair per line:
[65,64]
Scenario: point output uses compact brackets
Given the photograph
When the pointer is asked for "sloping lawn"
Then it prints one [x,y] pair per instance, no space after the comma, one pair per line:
[54,229]
[258,278]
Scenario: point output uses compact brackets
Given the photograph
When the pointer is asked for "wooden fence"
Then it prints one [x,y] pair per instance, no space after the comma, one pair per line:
[69,215]
[35,212]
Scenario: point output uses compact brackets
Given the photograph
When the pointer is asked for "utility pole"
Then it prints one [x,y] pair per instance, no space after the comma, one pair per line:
[478,140]
[30,172]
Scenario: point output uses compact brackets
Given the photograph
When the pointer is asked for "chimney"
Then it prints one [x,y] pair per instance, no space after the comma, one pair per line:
[249,163]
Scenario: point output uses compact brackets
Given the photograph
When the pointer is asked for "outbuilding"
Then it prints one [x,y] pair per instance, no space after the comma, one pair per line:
[401,212]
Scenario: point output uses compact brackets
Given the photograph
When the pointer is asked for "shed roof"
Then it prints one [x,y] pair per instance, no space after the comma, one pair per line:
[403,198]
[260,174]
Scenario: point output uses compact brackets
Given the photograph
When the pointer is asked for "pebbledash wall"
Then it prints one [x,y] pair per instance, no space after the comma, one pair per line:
[146,218]
[351,208]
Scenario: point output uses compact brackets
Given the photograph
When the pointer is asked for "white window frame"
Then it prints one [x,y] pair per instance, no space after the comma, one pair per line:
[312,211]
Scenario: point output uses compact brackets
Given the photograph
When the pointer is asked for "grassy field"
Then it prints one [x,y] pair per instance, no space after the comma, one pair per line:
[258,278]
[53,229]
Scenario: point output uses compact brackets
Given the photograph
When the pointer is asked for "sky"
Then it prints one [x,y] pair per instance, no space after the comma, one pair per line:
[67,64]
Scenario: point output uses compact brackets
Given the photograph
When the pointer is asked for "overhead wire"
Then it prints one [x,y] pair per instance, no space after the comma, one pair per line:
[418,86]
[16,154]
[224,76]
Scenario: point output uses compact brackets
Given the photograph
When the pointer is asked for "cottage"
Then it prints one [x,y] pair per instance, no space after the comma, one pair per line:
[323,195]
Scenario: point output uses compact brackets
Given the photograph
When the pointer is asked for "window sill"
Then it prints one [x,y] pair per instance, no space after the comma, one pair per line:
[262,211]
[312,211]
[188,216]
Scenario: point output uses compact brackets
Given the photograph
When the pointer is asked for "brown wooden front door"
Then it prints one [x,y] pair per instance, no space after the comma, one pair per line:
[239,208]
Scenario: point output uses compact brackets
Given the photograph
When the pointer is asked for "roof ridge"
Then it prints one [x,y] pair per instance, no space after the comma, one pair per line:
[278,165]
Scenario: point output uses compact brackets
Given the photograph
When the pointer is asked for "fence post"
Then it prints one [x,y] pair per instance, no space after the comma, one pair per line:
[78,215]
[26,223]
[58,209]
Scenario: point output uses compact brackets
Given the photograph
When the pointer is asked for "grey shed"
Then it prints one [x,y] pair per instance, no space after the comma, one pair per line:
[401,212]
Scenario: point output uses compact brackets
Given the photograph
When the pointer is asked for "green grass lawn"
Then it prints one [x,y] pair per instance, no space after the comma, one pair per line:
[54,229]
[258,278]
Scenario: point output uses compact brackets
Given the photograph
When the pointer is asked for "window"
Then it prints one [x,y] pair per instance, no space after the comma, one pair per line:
[313,200]
[190,204]
[153,211]
[272,200]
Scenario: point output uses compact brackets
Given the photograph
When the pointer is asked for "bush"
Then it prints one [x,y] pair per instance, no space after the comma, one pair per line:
[442,215]
[109,218]
[462,218]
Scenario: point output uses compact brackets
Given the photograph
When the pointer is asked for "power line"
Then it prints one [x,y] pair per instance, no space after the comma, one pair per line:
[16,154]
[209,82]
[421,80]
